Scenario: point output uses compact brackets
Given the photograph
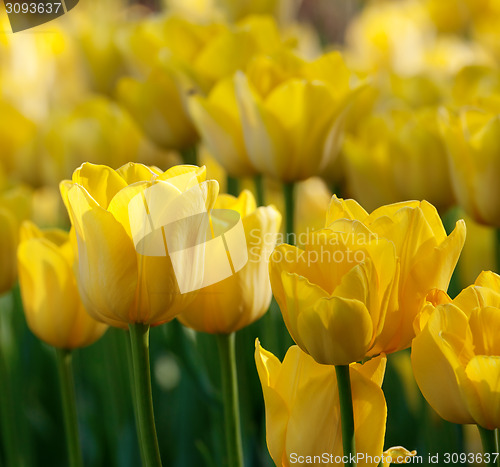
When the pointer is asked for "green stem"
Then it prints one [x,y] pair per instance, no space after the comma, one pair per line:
[227,355]
[497,444]
[9,418]
[346,412]
[259,190]
[190,155]
[288,192]
[139,342]
[67,385]
[489,442]
[233,186]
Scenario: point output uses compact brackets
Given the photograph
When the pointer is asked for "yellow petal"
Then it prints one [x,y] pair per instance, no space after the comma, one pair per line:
[348,209]
[133,173]
[483,393]
[100,181]
[107,263]
[265,140]
[435,363]
[336,331]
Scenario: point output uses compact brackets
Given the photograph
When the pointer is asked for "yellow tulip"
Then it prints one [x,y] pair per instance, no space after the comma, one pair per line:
[390,36]
[123,277]
[18,157]
[334,294]
[293,121]
[217,120]
[426,257]
[449,16]
[110,137]
[303,410]
[455,357]
[389,159]
[477,86]
[52,305]
[157,105]
[472,139]
[244,297]
[15,206]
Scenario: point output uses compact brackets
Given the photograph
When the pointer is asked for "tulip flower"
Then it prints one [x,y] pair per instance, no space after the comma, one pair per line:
[53,309]
[141,237]
[426,256]
[472,142]
[217,120]
[242,298]
[292,126]
[388,161]
[118,284]
[111,137]
[303,410]
[334,294]
[15,206]
[158,106]
[455,357]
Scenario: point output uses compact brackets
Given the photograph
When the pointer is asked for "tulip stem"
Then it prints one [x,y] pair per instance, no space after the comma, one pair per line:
[190,155]
[346,412]
[233,186]
[227,355]
[489,442]
[8,415]
[67,385]
[143,400]
[259,190]
[289,194]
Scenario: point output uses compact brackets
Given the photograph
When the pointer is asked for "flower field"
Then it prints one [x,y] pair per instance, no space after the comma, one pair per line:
[244,234]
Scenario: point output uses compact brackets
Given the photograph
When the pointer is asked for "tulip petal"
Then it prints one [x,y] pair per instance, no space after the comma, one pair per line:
[107,263]
[483,393]
[337,331]
[100,181]
[344,209]
[436,364]
[133,173]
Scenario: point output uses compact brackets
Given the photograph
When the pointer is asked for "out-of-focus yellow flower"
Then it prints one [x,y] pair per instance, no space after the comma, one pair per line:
[449,16]
[18,133]
[189,58]
[98,131]
[478,86]
[158,106]
[390,36]
[473,142]
[293,121]
[426,256]
[456,356]
[217,119]
[53,309]
[122,277]
[334,294]
[389,159]
[33,67]
[298,423]
[242,298]
[246,121]
[15,206]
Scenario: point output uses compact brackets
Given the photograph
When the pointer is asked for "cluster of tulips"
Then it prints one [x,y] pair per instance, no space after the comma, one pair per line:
[215,176]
